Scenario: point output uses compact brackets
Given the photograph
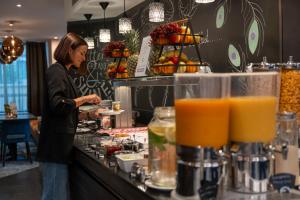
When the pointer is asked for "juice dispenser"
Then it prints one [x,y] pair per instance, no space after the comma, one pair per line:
[253,107]
[202,114]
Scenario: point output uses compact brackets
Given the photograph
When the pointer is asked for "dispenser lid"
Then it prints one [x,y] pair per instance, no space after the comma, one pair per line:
[261,67]
[290,64]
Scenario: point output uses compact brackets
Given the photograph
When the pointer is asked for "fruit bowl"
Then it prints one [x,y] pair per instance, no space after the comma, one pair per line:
[164,69]
[178,39]
[182,67]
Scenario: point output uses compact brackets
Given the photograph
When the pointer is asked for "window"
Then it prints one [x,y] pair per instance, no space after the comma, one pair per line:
[13,83]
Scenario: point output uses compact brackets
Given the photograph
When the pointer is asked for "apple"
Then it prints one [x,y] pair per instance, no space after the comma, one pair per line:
[112,70]
[198,39]
[170,62]
[185,29]
[121,69]
[174,59]
[162,59]
[174,39]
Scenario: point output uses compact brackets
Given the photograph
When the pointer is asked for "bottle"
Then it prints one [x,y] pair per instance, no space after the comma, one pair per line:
[286,154]
[162,148]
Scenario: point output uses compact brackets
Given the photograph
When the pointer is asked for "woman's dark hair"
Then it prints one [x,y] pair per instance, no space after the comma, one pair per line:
[62,51]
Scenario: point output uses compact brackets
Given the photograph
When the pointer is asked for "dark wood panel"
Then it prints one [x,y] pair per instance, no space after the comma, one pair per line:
[291,29]
[119,186]
[84,187]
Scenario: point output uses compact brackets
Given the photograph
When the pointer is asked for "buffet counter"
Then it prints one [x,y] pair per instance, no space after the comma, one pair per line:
[92,178]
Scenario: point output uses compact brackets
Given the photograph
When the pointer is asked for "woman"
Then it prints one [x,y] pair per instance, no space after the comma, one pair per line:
[60,116]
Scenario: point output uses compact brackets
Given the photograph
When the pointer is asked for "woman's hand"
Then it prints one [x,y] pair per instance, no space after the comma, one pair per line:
[93,98]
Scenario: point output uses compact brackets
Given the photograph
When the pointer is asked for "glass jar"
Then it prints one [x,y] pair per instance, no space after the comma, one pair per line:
[290,88]
[162,148]
[286,155]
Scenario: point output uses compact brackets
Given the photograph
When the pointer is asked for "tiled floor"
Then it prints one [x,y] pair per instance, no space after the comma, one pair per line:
[15,167]
[20,180]
[22,186]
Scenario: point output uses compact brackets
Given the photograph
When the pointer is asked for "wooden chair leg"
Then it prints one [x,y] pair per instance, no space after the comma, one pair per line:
[1,150]
[4,154]
[28,152]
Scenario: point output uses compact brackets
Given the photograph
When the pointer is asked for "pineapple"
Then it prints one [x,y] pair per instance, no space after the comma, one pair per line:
[132,63]
[154,56]
[132,42]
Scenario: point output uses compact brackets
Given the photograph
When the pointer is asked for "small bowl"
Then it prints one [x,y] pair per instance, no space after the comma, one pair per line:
[125,161]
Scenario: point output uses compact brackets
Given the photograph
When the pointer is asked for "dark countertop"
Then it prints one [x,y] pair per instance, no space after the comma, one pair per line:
[115,180]
[122,186]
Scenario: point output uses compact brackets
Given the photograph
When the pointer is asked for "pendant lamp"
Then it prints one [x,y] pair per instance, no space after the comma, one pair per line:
[124,23]
[5,59]
[13,46]
[204,1]
[89,40]
[156,11]
[104,34]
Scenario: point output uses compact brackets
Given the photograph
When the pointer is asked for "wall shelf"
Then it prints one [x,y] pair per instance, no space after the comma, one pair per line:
[145,81]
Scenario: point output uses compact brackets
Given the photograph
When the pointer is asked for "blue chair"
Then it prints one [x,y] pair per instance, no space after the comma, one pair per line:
[13,132]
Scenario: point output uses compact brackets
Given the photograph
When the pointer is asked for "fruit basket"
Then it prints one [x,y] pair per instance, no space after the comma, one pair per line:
[175,33]
[178,35]
[117,70]
[169,69]
[117,51]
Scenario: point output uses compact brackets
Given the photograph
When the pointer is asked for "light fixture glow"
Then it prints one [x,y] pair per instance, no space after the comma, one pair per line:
[11,24]
[204,1]
[124,25]
[19,5]
[90,42]
[156,12]
[104,35]
[55,38]
[124,22]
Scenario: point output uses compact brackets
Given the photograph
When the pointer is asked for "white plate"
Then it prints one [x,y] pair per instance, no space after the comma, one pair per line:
[89,108]
[82,130]
[149,184]
[90,122]
[110,112]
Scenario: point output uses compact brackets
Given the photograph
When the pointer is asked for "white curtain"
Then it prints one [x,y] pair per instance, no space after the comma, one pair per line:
[13,84]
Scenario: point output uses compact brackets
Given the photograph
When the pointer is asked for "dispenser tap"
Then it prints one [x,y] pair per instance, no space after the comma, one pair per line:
[284,151]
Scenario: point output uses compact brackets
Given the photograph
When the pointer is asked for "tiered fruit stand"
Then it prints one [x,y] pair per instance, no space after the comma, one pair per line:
[117,51]
[178,35]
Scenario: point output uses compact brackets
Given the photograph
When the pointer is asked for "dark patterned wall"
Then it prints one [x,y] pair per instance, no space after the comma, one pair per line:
[239,32]
[95,81]
[291,29]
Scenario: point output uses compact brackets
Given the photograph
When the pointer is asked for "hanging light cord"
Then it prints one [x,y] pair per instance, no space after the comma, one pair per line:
[124,6]
[104,18]
[124,14]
